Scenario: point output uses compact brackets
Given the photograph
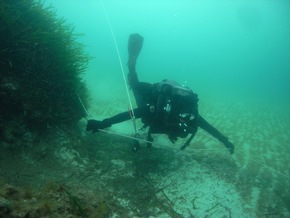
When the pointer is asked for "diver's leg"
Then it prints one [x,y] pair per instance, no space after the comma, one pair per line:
[142,92]
[133,79]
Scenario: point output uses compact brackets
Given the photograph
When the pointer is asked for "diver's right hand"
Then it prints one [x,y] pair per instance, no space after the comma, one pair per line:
[96,125]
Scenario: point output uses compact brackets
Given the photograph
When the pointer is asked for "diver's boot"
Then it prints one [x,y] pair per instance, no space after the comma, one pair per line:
[133,79]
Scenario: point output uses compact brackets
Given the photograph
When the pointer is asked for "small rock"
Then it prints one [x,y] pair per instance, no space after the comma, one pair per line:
[5,206]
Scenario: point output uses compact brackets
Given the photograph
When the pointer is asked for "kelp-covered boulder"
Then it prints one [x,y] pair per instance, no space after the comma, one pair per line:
[41,67]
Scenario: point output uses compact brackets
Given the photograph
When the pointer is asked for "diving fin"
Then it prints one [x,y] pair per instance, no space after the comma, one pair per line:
[134,47]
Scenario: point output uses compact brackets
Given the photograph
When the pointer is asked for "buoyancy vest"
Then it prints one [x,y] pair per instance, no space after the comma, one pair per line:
[176,108]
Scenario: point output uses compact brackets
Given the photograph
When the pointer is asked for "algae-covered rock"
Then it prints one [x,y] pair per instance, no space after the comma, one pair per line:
[51,200]
[41,67]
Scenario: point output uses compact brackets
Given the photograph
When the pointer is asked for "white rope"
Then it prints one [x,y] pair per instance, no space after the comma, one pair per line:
[150,142]
[122,68]
[83,106]
[264,165]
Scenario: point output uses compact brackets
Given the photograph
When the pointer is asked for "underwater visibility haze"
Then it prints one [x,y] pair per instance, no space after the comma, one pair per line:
[234,54]
[217,47]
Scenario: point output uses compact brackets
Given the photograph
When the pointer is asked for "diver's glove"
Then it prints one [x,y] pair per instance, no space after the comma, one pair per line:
[96,125]
[229,146]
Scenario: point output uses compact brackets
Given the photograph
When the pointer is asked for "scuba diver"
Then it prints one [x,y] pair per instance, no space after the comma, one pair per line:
[165,107]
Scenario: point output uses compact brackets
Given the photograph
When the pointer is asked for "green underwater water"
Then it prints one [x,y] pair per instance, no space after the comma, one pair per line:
[234,54]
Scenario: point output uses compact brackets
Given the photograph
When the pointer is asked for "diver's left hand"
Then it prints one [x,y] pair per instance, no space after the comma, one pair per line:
[230,146]
[94,125]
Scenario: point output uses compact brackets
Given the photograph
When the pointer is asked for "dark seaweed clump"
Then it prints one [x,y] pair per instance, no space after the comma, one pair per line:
[41,67]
